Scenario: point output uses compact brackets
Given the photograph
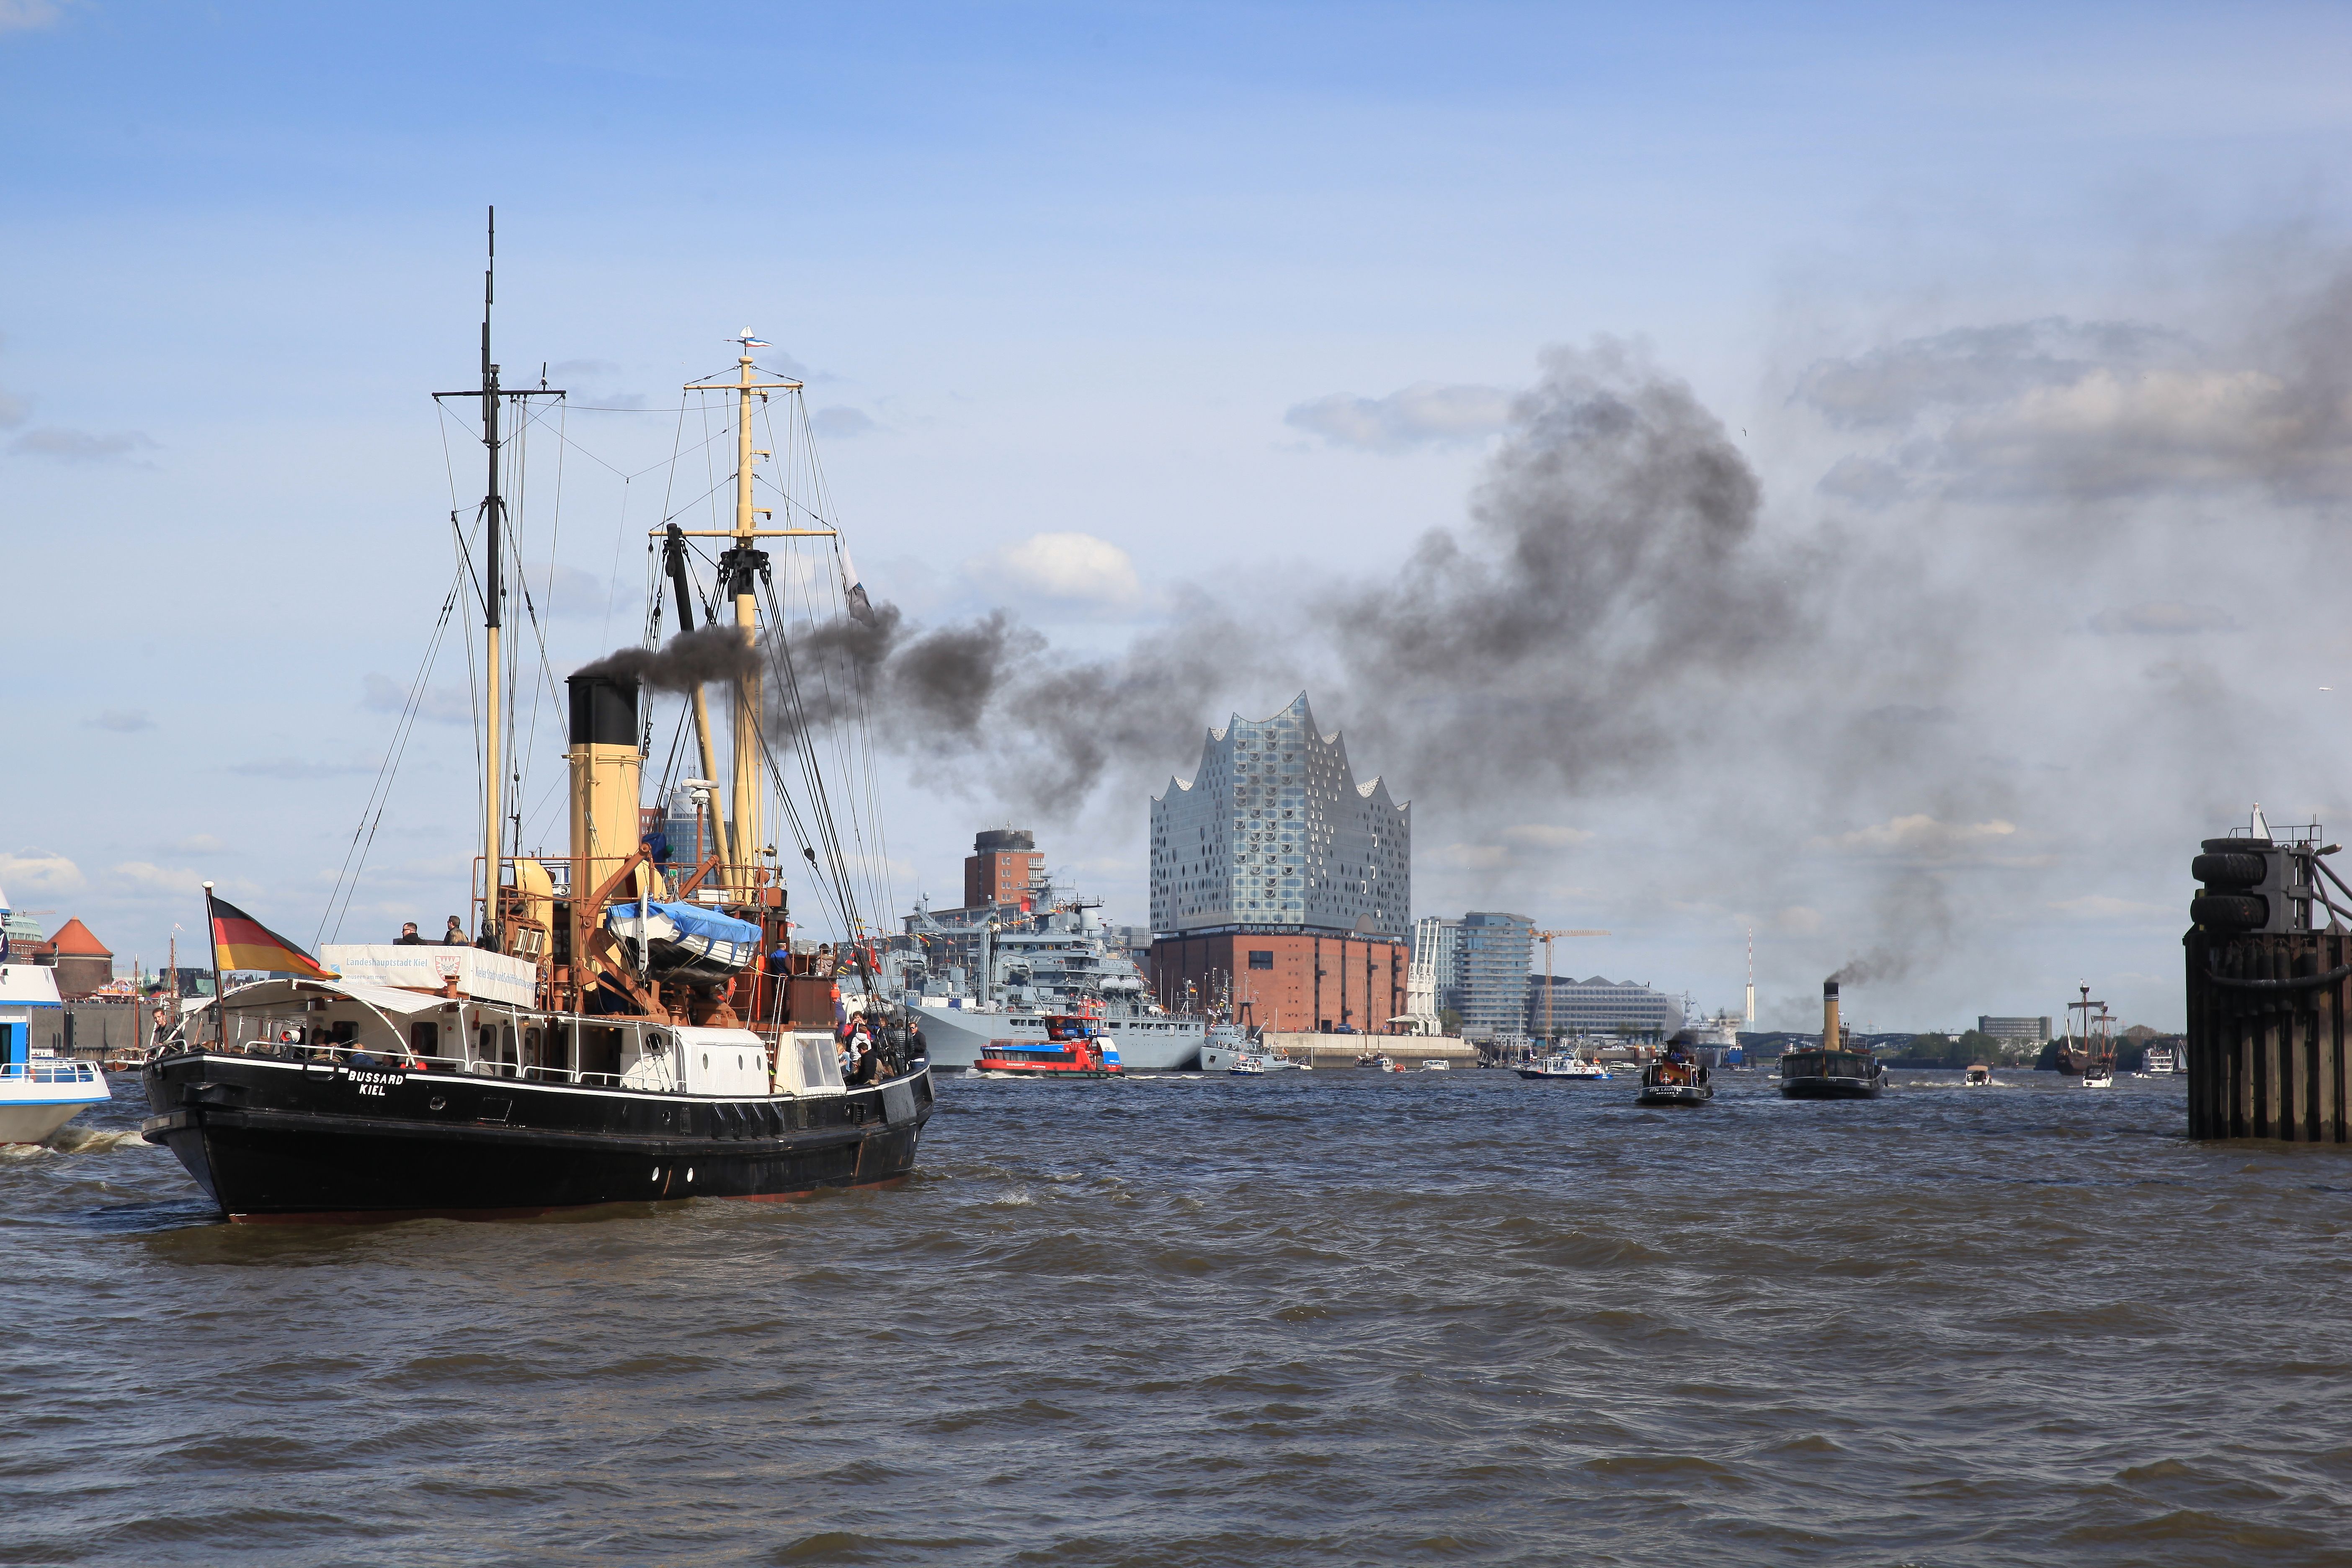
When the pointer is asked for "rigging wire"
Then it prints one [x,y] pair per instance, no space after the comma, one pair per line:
[347,875]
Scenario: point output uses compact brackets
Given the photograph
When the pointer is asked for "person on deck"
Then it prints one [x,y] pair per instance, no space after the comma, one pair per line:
[865,1064]
[456,935]
[408,937]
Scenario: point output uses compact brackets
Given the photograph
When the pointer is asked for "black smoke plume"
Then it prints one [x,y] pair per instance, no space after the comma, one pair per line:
[1610,561]
[688,661]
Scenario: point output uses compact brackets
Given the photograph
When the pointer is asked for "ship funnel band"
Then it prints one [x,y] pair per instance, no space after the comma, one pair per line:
[1828,988]
[604,709]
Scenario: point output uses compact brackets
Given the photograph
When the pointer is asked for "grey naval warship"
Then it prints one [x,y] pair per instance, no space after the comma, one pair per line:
[996,969]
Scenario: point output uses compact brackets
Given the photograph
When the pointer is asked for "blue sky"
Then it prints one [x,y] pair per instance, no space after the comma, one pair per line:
[1078,272]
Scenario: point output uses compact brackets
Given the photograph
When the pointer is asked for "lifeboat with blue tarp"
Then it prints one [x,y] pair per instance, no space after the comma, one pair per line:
[684,942]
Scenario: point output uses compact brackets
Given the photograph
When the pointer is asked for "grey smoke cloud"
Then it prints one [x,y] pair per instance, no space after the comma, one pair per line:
[1974,366]
[2098,412]
[2167,618]
[1609,561]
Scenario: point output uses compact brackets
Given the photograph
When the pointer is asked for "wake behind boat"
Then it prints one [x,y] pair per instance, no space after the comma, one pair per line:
[627,1027]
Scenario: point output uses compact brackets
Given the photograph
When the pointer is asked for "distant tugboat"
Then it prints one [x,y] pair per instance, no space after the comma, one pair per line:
[1837,1069]
[1675,1078]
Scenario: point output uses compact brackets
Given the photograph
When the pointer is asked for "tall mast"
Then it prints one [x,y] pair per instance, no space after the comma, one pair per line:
[493,520]
[747,830]
[741,568]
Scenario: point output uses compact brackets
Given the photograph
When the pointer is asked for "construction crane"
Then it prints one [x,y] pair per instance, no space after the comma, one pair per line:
[1546,937]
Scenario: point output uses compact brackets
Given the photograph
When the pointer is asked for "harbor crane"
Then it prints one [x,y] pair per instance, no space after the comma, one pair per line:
[1547,937]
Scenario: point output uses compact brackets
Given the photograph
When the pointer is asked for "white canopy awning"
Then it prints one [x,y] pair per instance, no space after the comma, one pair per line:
[382,999]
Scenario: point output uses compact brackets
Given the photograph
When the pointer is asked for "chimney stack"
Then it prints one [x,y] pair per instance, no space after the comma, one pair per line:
[604,777]
[1830,1039]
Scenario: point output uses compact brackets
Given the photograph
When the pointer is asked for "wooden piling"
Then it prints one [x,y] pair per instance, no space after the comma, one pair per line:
[2267,1051]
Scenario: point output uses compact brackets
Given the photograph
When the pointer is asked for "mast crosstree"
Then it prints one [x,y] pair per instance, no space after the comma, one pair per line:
[740,569]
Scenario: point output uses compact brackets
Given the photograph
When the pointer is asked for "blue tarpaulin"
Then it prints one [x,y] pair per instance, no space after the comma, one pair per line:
[692,920]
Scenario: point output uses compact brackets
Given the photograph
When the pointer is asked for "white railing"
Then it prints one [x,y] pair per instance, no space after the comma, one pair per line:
[49,1072]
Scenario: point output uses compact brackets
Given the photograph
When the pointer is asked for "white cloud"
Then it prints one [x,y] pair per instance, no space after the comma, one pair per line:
[562,592]
[122,720]
[1065,566]
[2168,619]
[79,446]
[1922,837]
[1796,920]
[146,878]
[842,423]
[300,768]
[1473,856]
[440,704]
[26,16]
[2100,906]
[41,871]
[1544,836]
[1422,415]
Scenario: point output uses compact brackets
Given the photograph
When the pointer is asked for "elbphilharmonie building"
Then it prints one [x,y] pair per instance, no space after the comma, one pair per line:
[1272,838]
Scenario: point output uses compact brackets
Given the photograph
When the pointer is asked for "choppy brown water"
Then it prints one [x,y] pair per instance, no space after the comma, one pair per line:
[1328,1320]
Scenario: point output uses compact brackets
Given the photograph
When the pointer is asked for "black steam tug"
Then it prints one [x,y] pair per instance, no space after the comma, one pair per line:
[1677,1077]
[1835,1069]
[625,1028]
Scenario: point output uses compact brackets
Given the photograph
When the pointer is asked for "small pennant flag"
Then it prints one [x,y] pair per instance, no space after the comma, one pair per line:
[240,942]
[853,590]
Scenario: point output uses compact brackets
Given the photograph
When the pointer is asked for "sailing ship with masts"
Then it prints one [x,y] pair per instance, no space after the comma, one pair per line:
[2088,1049]
[623,1027]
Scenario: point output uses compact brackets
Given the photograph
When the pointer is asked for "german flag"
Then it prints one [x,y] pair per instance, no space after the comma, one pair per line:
[240,942]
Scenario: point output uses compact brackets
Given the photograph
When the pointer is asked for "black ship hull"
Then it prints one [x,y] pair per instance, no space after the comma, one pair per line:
[289,1140]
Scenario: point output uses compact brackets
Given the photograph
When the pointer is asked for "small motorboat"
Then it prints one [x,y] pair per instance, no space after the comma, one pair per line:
[1378,1061]
[1433,1064]
[1560,1066]
[1247,1067]
[1072,1047]
[2098,1075]
[1675,1078]
[1980,1075]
